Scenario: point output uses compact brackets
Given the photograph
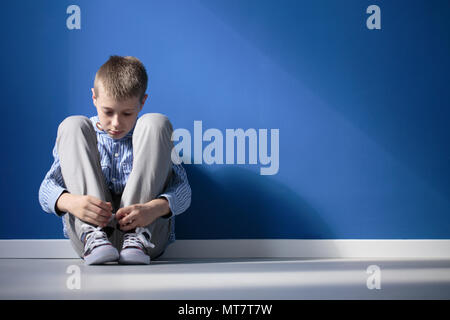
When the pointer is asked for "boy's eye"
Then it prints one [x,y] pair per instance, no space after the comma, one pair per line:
[125,114]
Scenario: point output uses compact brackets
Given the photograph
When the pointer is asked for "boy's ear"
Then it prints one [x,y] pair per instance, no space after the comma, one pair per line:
[94,98]
[143,101]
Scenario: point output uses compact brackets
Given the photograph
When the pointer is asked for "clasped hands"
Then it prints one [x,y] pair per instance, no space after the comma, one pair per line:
[97,212]
[141,215]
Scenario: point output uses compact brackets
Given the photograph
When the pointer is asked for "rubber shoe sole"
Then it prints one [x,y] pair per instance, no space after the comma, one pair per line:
[102,255]
[133,256]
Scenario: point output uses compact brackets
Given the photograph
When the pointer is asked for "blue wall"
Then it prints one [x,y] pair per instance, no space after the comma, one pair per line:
[363,114]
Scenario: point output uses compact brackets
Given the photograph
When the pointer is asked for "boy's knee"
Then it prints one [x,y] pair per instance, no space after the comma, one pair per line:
[155,121]
[73,123]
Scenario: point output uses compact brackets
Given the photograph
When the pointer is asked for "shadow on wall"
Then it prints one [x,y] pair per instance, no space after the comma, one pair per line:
[236,203]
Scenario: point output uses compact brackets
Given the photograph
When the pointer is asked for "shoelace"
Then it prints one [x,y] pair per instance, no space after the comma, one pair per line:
[137,239]
[94,236]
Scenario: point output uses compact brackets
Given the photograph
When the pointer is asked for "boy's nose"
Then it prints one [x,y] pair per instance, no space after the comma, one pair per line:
[115,122]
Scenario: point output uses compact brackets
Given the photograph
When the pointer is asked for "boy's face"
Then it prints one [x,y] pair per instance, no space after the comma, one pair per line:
[116,118]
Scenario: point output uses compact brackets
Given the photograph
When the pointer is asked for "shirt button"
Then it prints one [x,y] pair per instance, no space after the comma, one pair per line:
[116,155]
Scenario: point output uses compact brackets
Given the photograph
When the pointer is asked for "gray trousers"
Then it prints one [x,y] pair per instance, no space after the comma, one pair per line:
[82,173]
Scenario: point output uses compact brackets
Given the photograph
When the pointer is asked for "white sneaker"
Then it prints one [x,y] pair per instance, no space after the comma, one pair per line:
[134,248]
[97,248]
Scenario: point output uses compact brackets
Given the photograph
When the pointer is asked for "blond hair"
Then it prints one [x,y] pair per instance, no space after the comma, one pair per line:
[122,78]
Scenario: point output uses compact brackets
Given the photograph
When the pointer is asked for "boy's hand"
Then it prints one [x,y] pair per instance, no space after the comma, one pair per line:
[136,215]
[141,215]
[91,209]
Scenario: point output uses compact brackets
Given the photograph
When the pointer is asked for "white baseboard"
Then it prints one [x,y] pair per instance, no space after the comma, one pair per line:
[258,248]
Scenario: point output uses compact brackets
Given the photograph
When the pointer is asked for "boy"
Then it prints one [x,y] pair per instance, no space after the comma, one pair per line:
[116,163]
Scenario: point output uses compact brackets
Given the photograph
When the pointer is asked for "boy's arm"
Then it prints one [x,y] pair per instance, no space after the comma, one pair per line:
[178,192]
[52,187]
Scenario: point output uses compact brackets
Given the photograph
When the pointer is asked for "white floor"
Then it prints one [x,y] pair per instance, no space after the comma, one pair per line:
[236,279]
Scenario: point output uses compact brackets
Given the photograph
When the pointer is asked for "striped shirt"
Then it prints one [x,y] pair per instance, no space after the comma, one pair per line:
[177,192]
